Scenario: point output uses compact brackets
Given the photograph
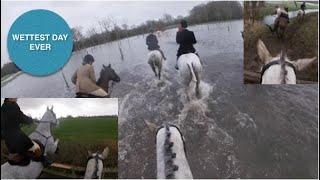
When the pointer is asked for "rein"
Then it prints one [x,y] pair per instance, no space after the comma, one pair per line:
[46,137]
[277,62]
[95,172]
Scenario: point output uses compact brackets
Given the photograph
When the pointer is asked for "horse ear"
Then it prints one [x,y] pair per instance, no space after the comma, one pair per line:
[301,64]
[51,108]
[263,52]
[109,65]
[105,153]
[89,153]
[103,66]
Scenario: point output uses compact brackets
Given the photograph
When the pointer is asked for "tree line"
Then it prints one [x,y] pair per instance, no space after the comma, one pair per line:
[110,30]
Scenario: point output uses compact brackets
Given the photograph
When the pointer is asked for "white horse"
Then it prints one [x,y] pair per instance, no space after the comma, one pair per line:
[171,154]
[279,69]
[155,60]
[43,135]
[95,164]
[190,69]
[300,15]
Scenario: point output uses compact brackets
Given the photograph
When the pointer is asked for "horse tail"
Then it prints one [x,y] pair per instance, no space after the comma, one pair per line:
[192,70]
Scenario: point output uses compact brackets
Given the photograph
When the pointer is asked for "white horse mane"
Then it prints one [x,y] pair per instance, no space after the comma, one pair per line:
[171,157]
[95,164]
[279,73]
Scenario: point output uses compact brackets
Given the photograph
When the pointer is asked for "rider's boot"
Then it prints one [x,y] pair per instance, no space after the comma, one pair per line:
[45,162]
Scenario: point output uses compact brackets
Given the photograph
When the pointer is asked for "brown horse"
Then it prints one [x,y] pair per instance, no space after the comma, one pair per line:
[107,74]
[282,26]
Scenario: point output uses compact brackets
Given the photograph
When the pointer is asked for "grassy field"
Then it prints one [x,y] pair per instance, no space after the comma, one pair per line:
[301,41]
[82,134]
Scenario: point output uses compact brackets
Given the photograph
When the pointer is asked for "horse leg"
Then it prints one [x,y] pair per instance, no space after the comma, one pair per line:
[153,68]
[159,70]
[198,94]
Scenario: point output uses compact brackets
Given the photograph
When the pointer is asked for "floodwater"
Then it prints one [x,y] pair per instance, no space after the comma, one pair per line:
[270,19]
[233,131]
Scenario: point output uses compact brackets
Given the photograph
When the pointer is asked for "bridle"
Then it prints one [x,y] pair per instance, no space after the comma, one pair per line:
[95,172]
[276,62]
[42,135]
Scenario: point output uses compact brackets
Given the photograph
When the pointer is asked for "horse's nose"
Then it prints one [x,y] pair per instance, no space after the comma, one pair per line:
[118,79]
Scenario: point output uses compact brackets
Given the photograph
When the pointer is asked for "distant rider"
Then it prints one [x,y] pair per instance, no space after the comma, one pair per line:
[303,7]
[152,43]
[185,39]
[19,145]
[85,80]
[281,13]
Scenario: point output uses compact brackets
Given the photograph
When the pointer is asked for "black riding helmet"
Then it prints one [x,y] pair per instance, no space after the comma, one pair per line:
[88,59]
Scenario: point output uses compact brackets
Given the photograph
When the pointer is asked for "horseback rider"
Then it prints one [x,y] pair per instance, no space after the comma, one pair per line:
[20,147]
[152,43]
[85,80]
[303,7]
[281,13]
[185,39]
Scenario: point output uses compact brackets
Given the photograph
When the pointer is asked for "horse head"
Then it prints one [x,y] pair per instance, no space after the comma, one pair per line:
[171,154]
[108,73]
[43,131]
[95,164]
[279,69]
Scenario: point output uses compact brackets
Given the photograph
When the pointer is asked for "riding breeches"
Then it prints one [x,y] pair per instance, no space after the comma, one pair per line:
[99,92]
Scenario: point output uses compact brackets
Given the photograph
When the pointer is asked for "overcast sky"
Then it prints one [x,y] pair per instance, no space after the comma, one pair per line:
[63,107]
[88,13]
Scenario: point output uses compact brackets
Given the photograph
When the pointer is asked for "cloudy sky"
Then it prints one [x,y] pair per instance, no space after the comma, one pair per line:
[88,13]
[63,107]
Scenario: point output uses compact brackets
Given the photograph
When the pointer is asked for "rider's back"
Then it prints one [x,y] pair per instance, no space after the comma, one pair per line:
[185,39]
[152,42]
[85,79]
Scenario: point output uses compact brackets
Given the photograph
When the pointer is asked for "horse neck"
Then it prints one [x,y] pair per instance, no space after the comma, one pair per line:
[44,128]
[273,75]
[166,153]
[103,83]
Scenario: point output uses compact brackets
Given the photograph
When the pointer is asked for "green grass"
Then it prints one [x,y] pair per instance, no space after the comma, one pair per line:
[86,129]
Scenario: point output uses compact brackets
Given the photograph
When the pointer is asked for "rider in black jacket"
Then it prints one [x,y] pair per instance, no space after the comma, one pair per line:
[185,39]
[11,120]
[17,142]
[152,43]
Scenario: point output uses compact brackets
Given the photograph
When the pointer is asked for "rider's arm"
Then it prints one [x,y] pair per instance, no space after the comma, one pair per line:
[74,77]
[178,38]
[194,41]
[92,75]
[148,41]
[22,117]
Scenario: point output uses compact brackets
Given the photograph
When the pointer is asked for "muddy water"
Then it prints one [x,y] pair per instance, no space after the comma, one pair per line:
[233,131]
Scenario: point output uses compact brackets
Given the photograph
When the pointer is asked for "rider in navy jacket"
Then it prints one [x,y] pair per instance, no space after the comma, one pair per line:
[152,43]
[185,39]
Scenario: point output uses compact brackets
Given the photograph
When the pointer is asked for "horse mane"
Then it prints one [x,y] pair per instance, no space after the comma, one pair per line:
[284,71]
[169,155]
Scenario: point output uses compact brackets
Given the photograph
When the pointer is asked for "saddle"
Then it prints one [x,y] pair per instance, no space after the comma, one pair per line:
[85,95]
[24,159]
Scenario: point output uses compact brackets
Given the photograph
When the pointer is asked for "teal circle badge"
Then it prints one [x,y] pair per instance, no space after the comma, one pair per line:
[40,42]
